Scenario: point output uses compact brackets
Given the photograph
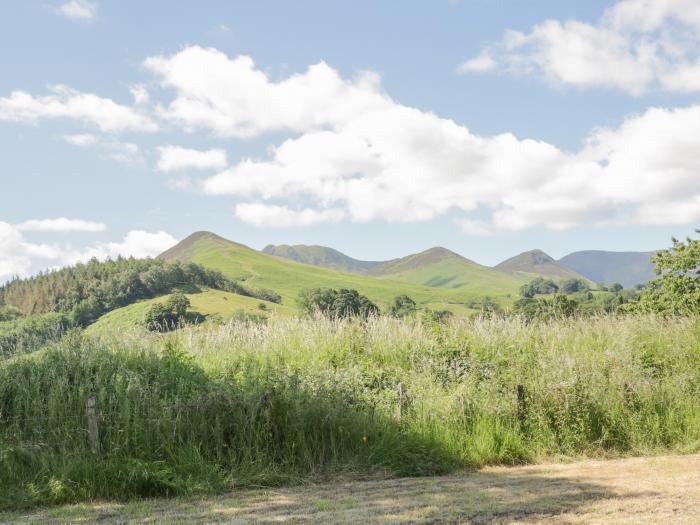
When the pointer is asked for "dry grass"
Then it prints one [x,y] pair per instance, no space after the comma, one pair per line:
[638,490]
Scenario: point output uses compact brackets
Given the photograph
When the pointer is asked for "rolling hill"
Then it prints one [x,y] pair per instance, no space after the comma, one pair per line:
[441,268]
[536,262]
[321,256]
[626,268]
[287,277]
[207,302]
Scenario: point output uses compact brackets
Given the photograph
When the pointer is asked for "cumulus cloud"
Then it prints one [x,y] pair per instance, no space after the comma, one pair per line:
[176,158]
[21,257]
[480,64]
[65,102]
[61,224]
[351,152]
[274,216]
[136,243]
[372,158]
[634,46]
[84,10]
[235,99]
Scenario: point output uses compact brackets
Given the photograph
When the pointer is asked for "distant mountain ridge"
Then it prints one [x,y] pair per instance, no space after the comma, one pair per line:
[440,267]
[463,283]
[321,256]
[626,268]
[539,263]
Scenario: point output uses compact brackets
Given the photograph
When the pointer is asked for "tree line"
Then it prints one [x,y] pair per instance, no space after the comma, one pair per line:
[37,309]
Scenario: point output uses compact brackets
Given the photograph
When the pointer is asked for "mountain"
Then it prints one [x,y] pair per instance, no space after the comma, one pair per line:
[539,263]
[286,277]
[441,268]
[320,256]
[626,268]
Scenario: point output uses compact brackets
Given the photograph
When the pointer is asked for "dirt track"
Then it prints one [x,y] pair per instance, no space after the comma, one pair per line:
[639,490]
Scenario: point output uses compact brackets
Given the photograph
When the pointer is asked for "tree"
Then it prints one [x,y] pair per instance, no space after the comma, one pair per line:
[558,305]
[676,290]
[402,306]
[336,304]
[162,317]
[574,285]
[178,304]
[488,307]
[9,313]
[538,286]
[616,288]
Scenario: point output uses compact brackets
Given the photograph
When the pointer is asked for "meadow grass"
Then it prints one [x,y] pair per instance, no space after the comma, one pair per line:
[210,408]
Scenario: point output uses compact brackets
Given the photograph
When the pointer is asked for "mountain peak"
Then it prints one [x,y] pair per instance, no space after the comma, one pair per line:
[181,249]
[539,263]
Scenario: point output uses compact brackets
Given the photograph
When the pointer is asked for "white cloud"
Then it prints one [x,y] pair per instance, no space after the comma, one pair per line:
[136,243]
[140,94]
[233,98]
[61,225]
[635,45]
[21,257]
[381,160]
[126,152]
[353,153]
[270,215]
[78,10]
[65,102]
[14,259]
[81,139]
[175,158]
[480,64]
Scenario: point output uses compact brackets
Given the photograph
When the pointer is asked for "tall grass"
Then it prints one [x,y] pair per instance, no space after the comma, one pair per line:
[206,409]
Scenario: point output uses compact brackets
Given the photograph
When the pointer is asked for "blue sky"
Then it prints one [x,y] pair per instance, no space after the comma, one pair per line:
[379,128]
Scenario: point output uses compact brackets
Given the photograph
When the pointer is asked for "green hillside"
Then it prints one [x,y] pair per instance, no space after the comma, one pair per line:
[258,270]
[320,256]
[538,263]
[224,305]
[442,268]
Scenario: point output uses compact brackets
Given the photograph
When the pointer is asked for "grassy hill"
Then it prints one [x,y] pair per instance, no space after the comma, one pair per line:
[224,305]
[626,268]
[287,277]
[442,268]
[536,262]
[320,256]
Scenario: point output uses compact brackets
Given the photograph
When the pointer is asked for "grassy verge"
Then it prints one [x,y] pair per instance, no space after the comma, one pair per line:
[206,409]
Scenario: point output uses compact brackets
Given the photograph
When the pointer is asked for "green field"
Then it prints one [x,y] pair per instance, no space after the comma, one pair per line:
[208,408]
[287,277]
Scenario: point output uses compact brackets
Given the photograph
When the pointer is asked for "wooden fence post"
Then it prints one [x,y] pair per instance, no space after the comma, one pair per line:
[93,433]
[401,391]
[522,406]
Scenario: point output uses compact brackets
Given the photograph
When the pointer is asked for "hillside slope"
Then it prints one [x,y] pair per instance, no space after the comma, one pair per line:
[626,268]
[207,303]
[441,268]
[538,263]
[288,278]
[320,256]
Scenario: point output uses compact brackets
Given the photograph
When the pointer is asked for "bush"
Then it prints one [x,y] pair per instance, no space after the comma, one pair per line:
[574,285]
[336,304]
[162,317]
[402,306]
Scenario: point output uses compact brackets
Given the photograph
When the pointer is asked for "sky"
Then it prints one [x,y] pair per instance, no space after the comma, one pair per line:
[380,128]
